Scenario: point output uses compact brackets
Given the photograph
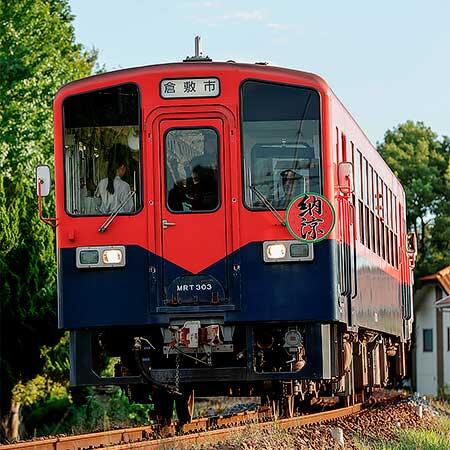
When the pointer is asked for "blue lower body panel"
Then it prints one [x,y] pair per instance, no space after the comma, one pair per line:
[255,291]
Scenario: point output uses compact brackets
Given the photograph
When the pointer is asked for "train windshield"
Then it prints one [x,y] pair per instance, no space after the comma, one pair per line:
[281,142]
[102,151]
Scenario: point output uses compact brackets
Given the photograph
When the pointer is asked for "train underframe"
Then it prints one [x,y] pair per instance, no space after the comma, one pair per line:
[287,365]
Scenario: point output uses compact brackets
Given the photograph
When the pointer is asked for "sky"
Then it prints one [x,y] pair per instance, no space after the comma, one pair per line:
[388,61]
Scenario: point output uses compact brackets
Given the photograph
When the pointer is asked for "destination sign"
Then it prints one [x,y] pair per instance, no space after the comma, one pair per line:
[190,87]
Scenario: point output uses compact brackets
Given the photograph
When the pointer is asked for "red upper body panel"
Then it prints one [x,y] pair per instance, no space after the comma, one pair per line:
[241,225]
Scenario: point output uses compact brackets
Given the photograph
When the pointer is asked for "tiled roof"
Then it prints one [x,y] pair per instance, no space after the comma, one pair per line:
[442,277]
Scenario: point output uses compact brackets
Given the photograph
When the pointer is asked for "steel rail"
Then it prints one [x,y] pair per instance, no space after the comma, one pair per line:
[141,437]
[81,441]
[210,437]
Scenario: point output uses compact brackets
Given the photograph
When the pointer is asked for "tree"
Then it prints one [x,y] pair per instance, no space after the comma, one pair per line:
[422,163]
[38,54]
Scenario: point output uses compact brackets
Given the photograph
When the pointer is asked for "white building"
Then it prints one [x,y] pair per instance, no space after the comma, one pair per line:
[431,357]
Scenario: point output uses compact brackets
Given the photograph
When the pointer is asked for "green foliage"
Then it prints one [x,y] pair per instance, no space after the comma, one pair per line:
[56,359]
[48,406]
[443,393]
[53,382]
[434,439]
[38,54]
[422,163]
[99,412]
[39,388]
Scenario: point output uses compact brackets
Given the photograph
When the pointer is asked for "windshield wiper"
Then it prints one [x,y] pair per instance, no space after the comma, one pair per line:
[268,205]
[114,214]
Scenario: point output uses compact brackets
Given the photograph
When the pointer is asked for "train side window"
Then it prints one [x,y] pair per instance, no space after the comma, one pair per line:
[388,246]
[382,242]
[394,212]
[102,157]
[380,198]
[372,232]
[361,222]
[377,235]
[375,193]
[371,188]
[391,241]
[395,251]
[364,179]
[367,225]
[368,182]
[386,203]
[192,170]
[391,216]
[280,143]
[388,207]
[357,169]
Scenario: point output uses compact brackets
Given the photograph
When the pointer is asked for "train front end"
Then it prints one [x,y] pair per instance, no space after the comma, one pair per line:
[174,257]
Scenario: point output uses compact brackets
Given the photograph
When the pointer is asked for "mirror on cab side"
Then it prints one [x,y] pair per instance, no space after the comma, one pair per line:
[411,248]
[43,181]
[345,177]
[43,185]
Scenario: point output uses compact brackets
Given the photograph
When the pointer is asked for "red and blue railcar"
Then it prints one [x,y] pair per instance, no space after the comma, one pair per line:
[176,254]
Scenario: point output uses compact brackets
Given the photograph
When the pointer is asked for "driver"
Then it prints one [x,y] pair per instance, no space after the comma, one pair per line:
[289,184]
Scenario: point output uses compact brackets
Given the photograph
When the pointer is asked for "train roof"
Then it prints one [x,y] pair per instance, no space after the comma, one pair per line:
[256,68]
[194,66]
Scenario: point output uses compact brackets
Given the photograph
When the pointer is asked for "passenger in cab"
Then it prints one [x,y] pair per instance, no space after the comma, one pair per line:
[204,189]
[112,191]
[291,183]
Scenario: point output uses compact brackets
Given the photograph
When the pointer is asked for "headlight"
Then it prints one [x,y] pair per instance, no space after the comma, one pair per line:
[114,256]
[276,251]
[287,251]
[100,257]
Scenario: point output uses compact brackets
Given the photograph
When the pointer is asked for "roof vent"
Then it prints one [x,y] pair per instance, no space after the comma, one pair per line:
[198,52]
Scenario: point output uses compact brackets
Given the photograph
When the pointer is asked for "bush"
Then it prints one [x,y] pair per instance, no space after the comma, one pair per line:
[100,412]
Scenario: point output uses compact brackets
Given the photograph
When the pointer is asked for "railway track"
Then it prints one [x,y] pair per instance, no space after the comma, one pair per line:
[195,433]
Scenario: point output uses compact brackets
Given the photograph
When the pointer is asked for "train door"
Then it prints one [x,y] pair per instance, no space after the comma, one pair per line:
[347,254]
[192,161]
[405,277]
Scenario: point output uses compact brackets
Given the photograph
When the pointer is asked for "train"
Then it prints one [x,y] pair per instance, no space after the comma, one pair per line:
[226,229]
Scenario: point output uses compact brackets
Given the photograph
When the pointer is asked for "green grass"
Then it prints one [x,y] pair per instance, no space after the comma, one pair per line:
[436,439]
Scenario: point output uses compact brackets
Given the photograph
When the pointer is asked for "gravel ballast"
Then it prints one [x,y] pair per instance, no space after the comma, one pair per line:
[378,423]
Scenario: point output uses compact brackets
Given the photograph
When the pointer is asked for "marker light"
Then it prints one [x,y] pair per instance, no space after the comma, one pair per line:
[113,256]
[89,257]
[299,250]
[276,251]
